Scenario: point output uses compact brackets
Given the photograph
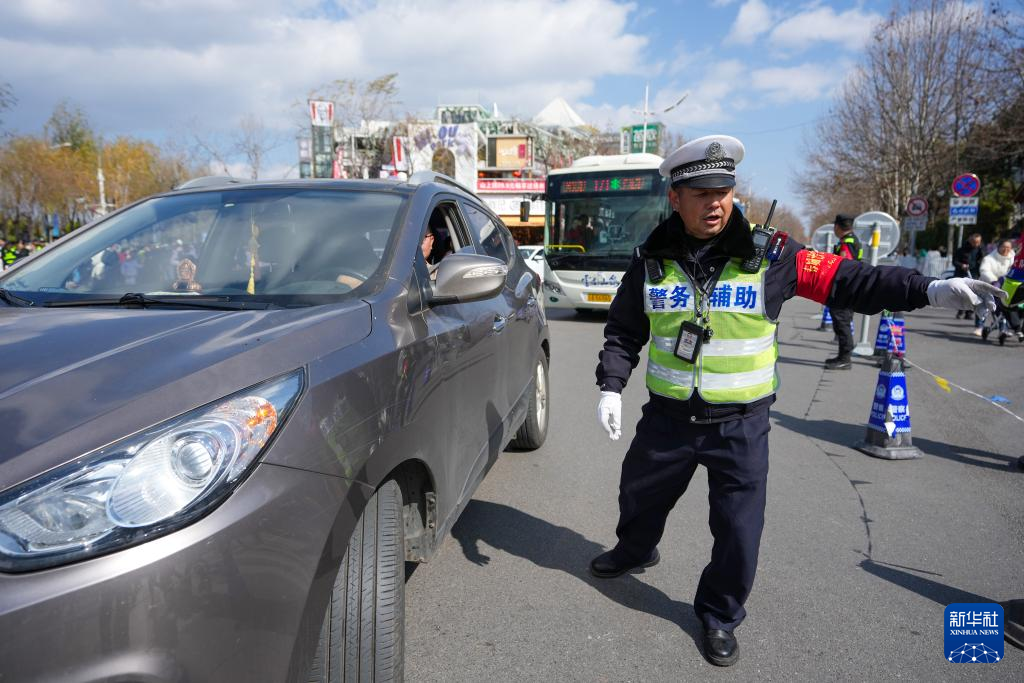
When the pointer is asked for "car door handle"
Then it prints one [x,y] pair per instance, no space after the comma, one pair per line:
[499,324]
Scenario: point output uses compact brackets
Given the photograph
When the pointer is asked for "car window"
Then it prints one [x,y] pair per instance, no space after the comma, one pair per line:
[488,232]
[443,234]
[261,242]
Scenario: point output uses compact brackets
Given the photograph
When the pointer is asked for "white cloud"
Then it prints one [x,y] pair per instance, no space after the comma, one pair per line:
[148,66]
[849,29]
[753,19]
[802,83]
[704,105]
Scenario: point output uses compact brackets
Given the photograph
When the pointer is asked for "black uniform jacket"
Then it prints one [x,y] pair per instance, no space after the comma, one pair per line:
[840,283]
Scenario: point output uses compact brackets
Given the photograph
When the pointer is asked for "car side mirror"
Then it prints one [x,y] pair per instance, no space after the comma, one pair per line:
[468,277]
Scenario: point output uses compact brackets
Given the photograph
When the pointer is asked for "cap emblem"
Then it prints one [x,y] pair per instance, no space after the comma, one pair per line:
[714,152]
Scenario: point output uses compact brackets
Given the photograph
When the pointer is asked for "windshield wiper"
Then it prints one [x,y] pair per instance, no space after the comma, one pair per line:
[13,299]
[221,303]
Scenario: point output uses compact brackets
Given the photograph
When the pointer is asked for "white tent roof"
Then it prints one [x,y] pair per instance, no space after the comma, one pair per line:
[558,113]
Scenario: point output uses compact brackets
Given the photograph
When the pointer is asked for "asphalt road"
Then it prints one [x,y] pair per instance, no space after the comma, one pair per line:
[859,555]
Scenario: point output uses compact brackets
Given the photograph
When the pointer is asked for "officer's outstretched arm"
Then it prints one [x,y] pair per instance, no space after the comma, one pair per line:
[844,283]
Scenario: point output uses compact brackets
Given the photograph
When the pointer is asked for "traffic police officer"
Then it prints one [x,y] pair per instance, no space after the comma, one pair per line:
[709,307]
[842,318]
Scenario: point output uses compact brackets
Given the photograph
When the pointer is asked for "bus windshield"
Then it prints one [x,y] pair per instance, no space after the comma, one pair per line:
[596,219]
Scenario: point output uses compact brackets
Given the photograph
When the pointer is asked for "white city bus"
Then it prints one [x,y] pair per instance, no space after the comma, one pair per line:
[597,211]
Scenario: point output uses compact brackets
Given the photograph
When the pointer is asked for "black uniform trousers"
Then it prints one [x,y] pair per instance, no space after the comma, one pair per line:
[658,466]
[841,319]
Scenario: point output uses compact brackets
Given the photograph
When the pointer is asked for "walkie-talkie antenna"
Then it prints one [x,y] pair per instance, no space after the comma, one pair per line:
[768,221]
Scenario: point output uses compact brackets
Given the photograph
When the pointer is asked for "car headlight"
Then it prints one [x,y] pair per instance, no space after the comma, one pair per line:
[145,485]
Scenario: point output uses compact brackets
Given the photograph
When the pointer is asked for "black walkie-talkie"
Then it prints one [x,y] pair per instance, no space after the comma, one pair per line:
[762,235]
[655,271]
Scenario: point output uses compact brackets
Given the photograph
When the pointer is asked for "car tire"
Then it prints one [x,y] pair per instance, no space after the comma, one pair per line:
[363,634]
[534,430]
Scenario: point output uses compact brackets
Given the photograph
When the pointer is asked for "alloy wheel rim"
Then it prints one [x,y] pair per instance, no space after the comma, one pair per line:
[542,395]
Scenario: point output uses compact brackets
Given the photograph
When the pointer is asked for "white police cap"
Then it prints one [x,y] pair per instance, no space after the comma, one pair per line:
[709,161]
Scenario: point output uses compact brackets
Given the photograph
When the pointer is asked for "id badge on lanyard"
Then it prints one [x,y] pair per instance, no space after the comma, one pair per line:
[689,341]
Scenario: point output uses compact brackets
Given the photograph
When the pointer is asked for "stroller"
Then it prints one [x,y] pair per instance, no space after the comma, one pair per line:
[1007,319]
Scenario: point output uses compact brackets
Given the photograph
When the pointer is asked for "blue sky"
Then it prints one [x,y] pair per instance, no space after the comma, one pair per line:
[762,70]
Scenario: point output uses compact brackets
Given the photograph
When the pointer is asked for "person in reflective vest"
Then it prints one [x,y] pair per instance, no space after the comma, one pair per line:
[704,299]
[849,247]
[9,254]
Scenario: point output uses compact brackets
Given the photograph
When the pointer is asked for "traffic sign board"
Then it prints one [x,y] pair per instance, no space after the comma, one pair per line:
[963,210]
[915,223]
[863,225]
[966,185]
[823,238]
[917,206]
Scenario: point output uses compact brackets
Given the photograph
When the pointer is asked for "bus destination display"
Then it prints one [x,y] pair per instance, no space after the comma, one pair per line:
[634,183]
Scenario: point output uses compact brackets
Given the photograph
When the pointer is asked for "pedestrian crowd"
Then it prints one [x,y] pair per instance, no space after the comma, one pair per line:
[11,251]
[991,263]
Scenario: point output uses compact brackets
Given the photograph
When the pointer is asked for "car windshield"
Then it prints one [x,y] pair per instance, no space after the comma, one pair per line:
[288,246]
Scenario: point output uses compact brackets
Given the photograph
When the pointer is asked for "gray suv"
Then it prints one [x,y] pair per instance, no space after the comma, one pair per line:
[233,412]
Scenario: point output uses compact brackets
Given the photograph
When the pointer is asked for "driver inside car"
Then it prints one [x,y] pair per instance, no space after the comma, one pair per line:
[436,244]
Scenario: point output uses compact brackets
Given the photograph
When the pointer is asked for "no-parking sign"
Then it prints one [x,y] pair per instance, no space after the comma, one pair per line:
[966,185]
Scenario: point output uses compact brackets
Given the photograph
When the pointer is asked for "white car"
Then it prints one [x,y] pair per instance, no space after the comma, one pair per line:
[534,256]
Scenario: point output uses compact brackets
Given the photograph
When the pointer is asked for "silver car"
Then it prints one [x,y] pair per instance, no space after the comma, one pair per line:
[233,412]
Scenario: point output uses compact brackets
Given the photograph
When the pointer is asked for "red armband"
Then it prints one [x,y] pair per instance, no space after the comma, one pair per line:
[815,272]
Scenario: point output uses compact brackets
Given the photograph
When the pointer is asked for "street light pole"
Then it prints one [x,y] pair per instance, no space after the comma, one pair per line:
[647,112]
[102,208]
[647,88]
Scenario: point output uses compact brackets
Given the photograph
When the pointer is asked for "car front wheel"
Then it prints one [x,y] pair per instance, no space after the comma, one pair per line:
[362,638]
[534,430]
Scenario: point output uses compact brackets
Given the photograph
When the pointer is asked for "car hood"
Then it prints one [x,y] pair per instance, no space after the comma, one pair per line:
[73,380]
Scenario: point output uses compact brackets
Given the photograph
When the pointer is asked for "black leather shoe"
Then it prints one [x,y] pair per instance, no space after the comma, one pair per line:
[838,363]
[720,647]
[611,564]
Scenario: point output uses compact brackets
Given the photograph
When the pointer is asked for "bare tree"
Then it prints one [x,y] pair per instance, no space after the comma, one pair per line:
[900,124]
[253,141]
[206,151]
[7,98]
[355,101]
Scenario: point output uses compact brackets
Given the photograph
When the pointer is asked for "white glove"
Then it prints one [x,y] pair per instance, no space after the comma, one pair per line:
[964,293]
[609,414]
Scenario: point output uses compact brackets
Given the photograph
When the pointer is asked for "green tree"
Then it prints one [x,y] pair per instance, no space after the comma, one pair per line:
[69,126]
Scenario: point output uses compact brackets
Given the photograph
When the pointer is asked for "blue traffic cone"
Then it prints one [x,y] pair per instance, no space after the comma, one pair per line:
[897,336]
[826,319]
[888,431]
[883,338]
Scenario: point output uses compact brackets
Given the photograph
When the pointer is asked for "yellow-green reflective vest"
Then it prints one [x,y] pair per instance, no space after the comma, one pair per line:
[738,364]
[1010,286]
[854,244]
